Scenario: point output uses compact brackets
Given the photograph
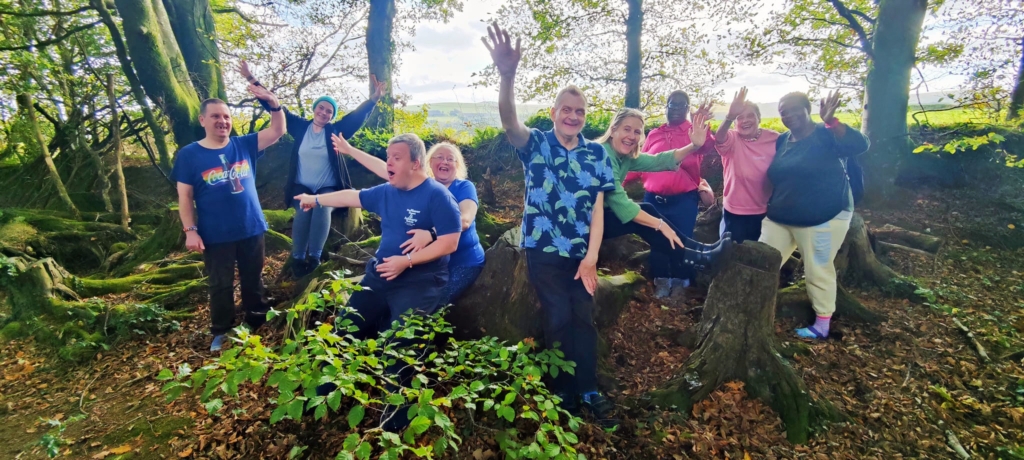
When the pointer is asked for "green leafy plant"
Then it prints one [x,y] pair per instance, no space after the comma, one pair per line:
[962,144]
[485,380]
[53,440]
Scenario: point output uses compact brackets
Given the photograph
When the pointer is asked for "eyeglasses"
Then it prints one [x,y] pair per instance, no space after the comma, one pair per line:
[672,106]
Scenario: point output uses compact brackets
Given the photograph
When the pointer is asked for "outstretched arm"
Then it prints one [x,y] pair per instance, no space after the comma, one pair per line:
[735,109]
[506,59]
[352,121]
[374,164]
[269,136]
[339,199]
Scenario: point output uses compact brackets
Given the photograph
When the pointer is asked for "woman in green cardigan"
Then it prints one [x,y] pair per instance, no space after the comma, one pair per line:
[622,143]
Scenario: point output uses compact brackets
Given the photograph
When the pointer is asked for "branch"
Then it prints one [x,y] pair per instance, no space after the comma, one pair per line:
[51,41]
[38,13]
[246,18]
[863,15]
[845,12]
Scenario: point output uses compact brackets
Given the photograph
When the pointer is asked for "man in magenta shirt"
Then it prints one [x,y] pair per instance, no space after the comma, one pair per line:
[746,152]
[676,194]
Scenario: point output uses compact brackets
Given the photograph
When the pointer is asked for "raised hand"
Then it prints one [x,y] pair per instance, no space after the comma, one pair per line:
[264,94]
[378,87]
[699,129]
[827,107]
[705,109]
[341,145]
[505,57]
[738,100]
[243,68]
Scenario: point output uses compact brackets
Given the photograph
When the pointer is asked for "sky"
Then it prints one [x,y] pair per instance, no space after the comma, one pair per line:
[441,66]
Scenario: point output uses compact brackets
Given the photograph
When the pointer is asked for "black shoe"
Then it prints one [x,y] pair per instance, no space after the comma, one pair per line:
[299,268]
[395,418]
[312,263]
[601,409]
[712,260]
[254,321]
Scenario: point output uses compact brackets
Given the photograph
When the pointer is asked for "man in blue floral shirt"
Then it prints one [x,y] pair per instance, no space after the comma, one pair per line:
[563,224]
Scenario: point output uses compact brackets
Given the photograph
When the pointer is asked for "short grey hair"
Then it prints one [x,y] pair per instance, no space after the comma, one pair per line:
[417,150]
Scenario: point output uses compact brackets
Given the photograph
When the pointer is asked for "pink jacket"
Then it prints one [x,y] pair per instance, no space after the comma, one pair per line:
[687,177]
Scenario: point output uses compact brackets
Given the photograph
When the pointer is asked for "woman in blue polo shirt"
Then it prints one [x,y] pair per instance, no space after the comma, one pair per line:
[316,168]
[448,167]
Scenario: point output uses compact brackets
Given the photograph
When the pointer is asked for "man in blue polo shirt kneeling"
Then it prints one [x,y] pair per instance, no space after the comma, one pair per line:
[397,281]
[563,224]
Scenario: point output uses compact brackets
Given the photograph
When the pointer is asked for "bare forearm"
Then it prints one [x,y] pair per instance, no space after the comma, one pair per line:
[445,245]
[516,131]
[647,220]
[596,228]
[374,164]
[684,152]
[723,131]
[340,199]
[186,210]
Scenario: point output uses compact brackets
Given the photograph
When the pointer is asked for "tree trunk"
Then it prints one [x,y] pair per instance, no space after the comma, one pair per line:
[634,28]
[115,135]
[736,341]
[1017,97]
[380,50]
[25,103]
[196,36]
[887,90]
[159,137]
[160,65]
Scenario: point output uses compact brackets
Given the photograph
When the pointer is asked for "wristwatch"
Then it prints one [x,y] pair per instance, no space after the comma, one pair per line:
[433,235]
[275,109]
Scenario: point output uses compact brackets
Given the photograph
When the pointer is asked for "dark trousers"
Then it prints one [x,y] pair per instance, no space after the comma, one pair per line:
[568,318]
[220,261]
[743,227]
[681,210]
[661,267]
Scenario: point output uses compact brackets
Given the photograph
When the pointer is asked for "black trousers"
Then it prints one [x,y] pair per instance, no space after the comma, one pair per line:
[221,259]
[568,311]
[661,267]
[743,227]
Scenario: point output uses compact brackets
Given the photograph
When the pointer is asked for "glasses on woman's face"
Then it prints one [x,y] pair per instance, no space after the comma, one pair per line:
[439,159]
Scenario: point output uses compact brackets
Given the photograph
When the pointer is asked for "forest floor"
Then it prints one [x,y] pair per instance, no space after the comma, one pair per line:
[905,384]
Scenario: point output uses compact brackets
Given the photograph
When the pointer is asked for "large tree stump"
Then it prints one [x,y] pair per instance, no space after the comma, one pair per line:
[503,304]
[736,341]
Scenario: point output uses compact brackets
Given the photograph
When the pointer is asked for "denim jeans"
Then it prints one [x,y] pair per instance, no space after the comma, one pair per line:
[310,228]
[681,210]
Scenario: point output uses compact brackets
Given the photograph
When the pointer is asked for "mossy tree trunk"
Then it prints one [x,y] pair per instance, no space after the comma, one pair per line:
[115,134]
[380,51]
[25,103]
[735,340]
[196,36]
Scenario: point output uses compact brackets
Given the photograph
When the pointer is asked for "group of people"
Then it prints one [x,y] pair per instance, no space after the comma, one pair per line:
[788,190]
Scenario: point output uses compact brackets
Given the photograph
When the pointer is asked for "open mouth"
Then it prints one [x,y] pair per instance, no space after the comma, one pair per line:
[391,174]
[747,126]
[628,143]
[443,169]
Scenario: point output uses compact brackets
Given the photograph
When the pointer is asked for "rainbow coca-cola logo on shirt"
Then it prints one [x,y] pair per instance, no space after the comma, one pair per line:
[233,173]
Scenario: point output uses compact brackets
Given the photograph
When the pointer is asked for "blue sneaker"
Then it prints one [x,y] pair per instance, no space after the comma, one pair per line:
[662,287]
[218,342]
[810,333]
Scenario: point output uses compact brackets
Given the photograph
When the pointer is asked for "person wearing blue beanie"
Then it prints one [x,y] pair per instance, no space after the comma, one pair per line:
[316,168]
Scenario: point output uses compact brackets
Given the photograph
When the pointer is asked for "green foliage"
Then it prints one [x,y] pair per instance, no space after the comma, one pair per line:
[497,383]
[53,440]
[962,144]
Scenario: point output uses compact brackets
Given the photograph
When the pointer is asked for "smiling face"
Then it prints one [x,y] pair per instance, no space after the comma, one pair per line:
[445,165]
[677,109]
[216,120]
[627,136]
[401,168]
[795,114]
[748,122]
[569,115]
[323,113]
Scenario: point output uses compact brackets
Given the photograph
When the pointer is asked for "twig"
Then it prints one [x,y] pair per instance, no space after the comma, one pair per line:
[900,247]
[954,443]
[907,378]
[970,335]
[81,399]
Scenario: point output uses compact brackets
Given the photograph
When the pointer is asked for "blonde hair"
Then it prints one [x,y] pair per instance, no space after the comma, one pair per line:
[620,117]
[571,89]
[460,170]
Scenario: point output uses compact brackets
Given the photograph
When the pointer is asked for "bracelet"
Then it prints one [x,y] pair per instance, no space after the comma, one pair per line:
[433,235]
[409,256]
[250,77]
[191,229]
[316,198]
[832,123]
[275,109]
[660,223]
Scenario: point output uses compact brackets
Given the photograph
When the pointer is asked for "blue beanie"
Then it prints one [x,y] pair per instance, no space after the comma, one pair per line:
[330,100]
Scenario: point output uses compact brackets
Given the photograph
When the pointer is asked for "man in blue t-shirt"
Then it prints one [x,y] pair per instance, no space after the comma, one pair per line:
[563,224]
[221,213]
[398,283]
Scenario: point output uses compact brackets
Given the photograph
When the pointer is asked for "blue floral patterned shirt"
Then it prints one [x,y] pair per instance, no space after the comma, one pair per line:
[561,187]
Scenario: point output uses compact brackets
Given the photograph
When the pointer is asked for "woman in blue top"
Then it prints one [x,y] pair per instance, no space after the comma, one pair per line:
[316,168]
[449,168]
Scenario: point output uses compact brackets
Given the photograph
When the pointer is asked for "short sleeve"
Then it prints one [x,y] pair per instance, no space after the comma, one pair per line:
[726,148]
[182,171]
[465,191]
[372,199]
[532,146]
[445,214]
[605,177]
[249,144]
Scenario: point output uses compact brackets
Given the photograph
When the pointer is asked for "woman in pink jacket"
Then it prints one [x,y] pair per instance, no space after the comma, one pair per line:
[676,194]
